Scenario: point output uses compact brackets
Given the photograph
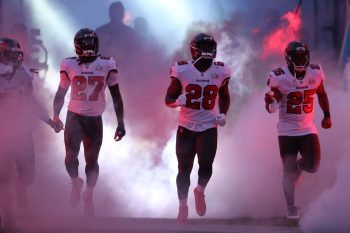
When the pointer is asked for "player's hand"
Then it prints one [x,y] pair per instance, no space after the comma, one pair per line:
[57,124]
[269,97]
[119,133]
[221,119]
[181,100]
[271,102]
[326,123]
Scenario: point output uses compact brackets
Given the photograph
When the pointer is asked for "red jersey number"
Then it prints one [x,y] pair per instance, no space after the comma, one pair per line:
[300,101]
[79,85]
[195,92]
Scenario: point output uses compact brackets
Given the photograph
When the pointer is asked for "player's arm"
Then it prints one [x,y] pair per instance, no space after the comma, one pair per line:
[58,101]
[224,98]
[118,109]
[224,102]
[173,96]
[273,95]
[324,104]
[37,107]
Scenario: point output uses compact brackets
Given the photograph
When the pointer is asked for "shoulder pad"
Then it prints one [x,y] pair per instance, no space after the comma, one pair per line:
[315,67]
[278,71]
[180,63]
[219,63]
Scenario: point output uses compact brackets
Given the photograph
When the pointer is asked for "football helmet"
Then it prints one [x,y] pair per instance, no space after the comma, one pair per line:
[203,46]
[10,52]
[86,43]
[297,56]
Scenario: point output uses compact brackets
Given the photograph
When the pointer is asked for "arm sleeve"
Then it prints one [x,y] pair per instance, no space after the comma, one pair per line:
[64,78]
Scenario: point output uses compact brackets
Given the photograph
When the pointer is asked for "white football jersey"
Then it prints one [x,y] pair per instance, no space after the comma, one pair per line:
[88,83]
[296,108]
[15,112]
[202,89]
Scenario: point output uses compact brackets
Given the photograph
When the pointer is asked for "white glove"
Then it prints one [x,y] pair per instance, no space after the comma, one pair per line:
[221,119]
[181,100]
[273,107]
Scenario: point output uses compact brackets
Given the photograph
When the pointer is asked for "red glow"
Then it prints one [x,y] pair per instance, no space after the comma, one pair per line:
[276,41]
[256,31]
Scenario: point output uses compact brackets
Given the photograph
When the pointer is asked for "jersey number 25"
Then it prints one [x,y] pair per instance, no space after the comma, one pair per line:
[298,101]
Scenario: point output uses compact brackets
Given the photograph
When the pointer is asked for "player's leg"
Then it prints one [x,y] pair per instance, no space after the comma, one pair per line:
[206,145]
[25,164]
[185,152]
[6,175]
[310,152]
[73,135]
[289,150]
[92,140]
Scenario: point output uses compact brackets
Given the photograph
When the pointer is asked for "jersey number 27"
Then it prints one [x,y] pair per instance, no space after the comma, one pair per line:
[79,85]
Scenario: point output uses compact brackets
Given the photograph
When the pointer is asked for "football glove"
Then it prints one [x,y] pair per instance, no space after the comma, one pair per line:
[221,119]
[271,101]
[180,101]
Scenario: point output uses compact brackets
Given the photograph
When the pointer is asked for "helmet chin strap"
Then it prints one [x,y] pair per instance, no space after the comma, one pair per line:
[204,56]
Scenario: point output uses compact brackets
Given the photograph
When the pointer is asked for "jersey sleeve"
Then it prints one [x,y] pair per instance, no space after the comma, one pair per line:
[174,71]
[272,81]
[322,76]
[112,77]
[64,79]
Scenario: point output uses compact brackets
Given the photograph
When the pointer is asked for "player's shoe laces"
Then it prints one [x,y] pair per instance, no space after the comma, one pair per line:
[77,185]
[89,209]
[292,212]
[182,215]
[21,193]
[199,198]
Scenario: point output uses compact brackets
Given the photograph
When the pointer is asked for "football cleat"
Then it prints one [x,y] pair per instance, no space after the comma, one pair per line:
[89,209]
[292,212]
[77,185]
[21,193]
[182,215]
[199,198]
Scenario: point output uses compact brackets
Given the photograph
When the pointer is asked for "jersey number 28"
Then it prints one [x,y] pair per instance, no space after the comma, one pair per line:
[195,92]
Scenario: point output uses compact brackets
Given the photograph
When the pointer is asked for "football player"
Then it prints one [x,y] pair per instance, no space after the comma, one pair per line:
[88,75]
[194,88]
[292,91]
[17,104]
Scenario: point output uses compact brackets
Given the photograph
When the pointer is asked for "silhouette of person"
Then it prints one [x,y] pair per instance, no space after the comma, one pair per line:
[20,32]
[117,39]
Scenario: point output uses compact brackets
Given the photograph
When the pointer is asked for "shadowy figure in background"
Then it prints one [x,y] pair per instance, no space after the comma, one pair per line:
[142,33]
[20,32]
[18,104]
[117,39]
